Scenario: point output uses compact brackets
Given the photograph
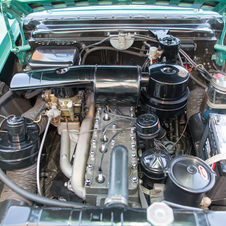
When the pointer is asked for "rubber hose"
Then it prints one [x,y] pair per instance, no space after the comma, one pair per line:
[25,178]
[32,114]
[5,97]
[36,198]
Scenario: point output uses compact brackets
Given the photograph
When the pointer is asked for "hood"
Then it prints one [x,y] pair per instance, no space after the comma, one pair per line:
[25,7]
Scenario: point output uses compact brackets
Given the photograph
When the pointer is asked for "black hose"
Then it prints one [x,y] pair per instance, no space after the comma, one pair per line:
[29,94]
[36,198]
[6,96]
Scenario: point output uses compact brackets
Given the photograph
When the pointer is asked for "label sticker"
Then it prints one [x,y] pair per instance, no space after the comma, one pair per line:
[203,172]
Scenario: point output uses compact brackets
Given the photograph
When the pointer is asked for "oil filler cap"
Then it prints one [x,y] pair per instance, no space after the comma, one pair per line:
[160,214]
[148,126]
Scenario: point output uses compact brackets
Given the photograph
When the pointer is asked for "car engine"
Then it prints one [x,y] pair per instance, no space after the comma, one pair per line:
[118,114]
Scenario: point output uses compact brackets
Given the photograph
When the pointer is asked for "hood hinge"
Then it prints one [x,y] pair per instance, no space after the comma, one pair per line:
[10,11]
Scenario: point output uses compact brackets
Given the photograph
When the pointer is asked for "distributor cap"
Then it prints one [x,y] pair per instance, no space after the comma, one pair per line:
[169,41]
[155,163]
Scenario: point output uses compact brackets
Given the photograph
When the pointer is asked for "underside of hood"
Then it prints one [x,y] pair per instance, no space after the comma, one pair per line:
[26,7]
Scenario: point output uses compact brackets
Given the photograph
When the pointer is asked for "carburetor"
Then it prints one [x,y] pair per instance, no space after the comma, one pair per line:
[105,127]
[70,106]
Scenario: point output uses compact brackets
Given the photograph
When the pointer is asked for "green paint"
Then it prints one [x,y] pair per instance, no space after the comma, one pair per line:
[220,48]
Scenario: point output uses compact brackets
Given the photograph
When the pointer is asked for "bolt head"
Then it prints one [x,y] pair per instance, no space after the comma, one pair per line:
[90,166]
[92,154]
[134,166]
[113,142]
[94,142]
[160,214]
[88,182]
[134,180]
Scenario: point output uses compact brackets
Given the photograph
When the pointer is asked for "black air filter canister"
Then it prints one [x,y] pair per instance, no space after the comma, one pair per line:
[188,180]
[167,93]
[18,153]
[19,147]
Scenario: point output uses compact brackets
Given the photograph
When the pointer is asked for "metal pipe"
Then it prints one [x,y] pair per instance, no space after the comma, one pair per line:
[36,198]
[40,154]
[65,163]
[82,151]
[118,182]
[110,48]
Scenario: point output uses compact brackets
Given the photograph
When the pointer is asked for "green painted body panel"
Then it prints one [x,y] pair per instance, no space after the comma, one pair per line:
[28,6]
[5,44]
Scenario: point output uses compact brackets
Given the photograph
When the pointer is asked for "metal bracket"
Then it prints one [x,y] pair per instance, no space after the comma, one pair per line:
[10,11]
[160,33]
[220,48]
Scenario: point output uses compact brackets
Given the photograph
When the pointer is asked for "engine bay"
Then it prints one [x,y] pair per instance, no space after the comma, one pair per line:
[117,116]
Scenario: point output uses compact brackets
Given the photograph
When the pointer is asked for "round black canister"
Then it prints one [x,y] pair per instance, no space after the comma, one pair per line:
[188,180]
[155,163]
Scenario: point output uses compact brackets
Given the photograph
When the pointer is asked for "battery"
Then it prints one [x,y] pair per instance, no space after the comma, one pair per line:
[214,142]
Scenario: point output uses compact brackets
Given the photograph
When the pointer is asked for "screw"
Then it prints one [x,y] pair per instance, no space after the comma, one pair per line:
[88,182]
[132,130]
[132,138]
[133,146]
[133,155]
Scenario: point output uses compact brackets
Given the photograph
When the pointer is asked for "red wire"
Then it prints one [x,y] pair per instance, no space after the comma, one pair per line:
[186,66]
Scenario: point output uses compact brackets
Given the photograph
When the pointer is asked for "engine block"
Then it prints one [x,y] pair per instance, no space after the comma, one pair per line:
[96,192]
